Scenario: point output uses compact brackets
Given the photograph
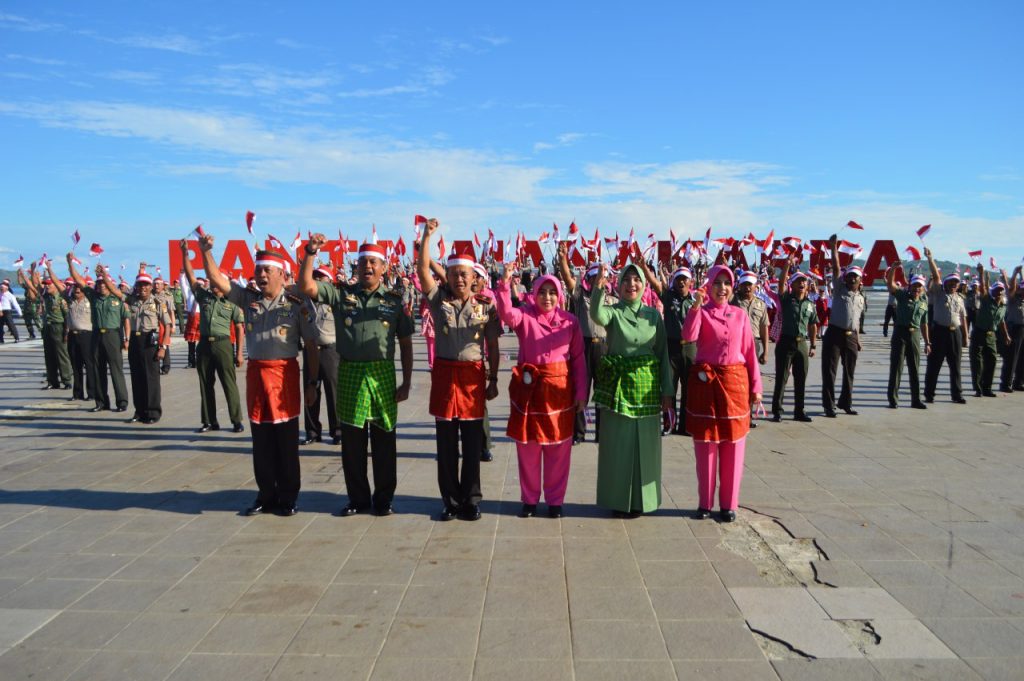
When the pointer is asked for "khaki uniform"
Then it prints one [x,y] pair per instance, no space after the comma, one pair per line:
[988,326]
[167,299]
[1012,375]
[947,312]
[83,363]
[317,328]
[149,323]
[214,357]
[840,344]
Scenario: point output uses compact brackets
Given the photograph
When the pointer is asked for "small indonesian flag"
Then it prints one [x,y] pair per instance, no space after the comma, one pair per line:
[296,241]
[853,225]
[400,247]
[612,240]
[95,250]
[975,255]
[419,222]
[76,260]
[440,248]
[707,240]
[274,241]
[573,229]
[198,232]
[554,232]
[849,248]
[373,234]
[20,261]
[75,238]
[249,216]
[912,252]
[921,231]
[544,238]
[992,262]
[476,239]
[342,245]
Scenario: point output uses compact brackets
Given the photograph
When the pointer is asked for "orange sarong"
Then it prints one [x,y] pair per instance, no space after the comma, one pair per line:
[272,390]
[457,390]
[542,406]
[718,403]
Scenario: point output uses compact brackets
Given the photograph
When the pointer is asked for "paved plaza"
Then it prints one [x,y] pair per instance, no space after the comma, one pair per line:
[888,545]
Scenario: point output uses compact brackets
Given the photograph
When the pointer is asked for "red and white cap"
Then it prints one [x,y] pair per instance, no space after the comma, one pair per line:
[480,270]
[272,259]
[373,251]
[69,281]
[795,277]
[918,279]
[747,278]
[998,286]
[853,269]
[88,281]
[681,272]
[159,280]
[143,278]
[456,259]
[324,271]
[594,270]
[952,276]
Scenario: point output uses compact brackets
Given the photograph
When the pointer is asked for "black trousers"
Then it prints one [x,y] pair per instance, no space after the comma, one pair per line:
[681,358]
[215,361]
[108,354]
[55,354]
[354,443]
[275,462]
[1012,375]
[327,384]
[457,490]
[145,370]
[890,311]
[905,347]
[83,365]
[594,350]
[947,346]
[838,346]
[791,355]
[165,364]
[7,321]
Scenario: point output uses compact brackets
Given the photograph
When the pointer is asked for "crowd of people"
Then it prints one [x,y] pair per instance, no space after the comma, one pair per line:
[661,353]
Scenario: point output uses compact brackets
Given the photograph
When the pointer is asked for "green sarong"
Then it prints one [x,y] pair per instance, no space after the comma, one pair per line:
[630,386]
[366,392]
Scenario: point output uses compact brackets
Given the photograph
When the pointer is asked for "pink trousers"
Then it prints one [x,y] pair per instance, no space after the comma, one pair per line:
[556,471]
[430,351]
[722,461]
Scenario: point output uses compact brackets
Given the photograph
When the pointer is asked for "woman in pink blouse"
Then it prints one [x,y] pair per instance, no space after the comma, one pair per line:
[549,386]
[724,382]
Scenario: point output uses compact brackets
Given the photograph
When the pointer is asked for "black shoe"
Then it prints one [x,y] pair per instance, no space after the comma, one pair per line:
[48,387]
[703,513]
[486,456]
[850,411]
[352,509]
[336,440]
[829,413]
[929,400]
[1006,390]
[471,512]
[258,508]
[214,426]
[134,419]
[777,418]
[238,428]
[727,516]
[447,513]
[752,424]
[1017,387]
[149,420]
[528,511]
[576,440]
[97,409]
[977,393]
[555,511]
[960,400]
[804,418]
[121,409]
[988,393]
[918,405]
[310,439]
[205,428]
[286,511]
[66,386]
[893,405]
[384,510]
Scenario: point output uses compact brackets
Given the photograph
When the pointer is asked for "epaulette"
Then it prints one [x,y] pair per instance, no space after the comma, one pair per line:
[483,298]
[293,298]
[393,293]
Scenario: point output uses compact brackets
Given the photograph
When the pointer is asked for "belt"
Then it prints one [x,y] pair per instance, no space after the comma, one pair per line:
[839,328]
[78,332]
[953,328]
[800,339]
[324,347]
[108,330]
[213,339]
[596,340]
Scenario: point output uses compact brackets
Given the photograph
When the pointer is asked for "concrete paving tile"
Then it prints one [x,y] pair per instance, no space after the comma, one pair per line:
[859,603]
[597,548]
[676,573]
[206,666]
[780,602]
[693,603]
[940,601]
[41,664]
[188,542]
[393,546]
[251,634]
[927,670]
[303,568]
[369,600]
[422,637]
[703,640]
[290,667]
[979,573]
[667,548]
[824,639]
[161,631]
[840,573]
[905,639]
[422,669]
[375,571]
[617,640]
[437,601]
[107,665]
[725,670]
[228,568]
[524,639]
[345,635]
[126,595]
[283,598]
[29,565]
[16,625]
[739,573]
[545,549]
[1002,601]
[47,594]
[62,541]
[542,600]
[124,542]
[890,573]
[165,568]
[501,669]
[255,545]
[615,670]
[79,630]
[851,669]
[874,548]
[467,548]
[519,572]
[978,637]
[452,573]
[594,573]
[199,597]
[609,603]
[991,668]
[89,566]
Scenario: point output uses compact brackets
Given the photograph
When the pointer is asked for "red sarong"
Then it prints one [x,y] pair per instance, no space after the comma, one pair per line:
[718,403]
[457,390]
[192,327]
[272,390]
[542,406]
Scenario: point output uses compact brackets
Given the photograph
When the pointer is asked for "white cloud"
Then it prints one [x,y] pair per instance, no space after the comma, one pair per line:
[563,140]
[254,80]
[20,23]
[171,42]
[41,61]
[136,77]
[425,81]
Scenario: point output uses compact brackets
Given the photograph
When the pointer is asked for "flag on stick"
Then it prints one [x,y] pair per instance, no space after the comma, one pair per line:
[75,238]
[921,231]
[249,215]
[912,252]
[853,225]
[20,261]
[95,250]
[974,255]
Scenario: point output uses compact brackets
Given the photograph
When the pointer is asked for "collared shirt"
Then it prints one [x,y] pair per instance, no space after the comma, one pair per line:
[990,315]
[1015,310]
[216,315]
[796,315]
[461,328]
[107,311]
[756,311]
[910,312]
[80,314]
[847,306]
[9,302]
[271,326]
[366,323]
[54,308]
[147,315]
[675,309]
[316,323]
[947,308]
[579,305]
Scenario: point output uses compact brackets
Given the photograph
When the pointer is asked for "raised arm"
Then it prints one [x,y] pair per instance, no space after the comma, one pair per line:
[599,312]
[79,280]
[115,290]
[691,323]
[306,284]
[833,244]
[652,279]
[217,278]
[27,283]
[890,277]
[1011,283]
[566,271]
[511,316]
[983,277]
[423,261]
[57,282]
[190,273]
[784,277]
[936,277]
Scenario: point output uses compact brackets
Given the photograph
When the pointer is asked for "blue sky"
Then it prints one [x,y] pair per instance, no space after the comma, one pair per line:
[132,122]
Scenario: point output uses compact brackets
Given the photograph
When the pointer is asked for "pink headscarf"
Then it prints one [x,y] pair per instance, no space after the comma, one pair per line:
[713,274]
[557,315]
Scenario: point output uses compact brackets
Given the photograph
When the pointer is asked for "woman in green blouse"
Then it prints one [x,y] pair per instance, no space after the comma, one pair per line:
[633,388]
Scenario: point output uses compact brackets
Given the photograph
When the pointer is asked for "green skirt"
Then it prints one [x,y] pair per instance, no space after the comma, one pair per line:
[629,463]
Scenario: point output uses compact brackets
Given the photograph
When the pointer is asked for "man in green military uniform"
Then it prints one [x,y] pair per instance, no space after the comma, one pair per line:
[214,357]
[910,324]
[368,317]
[55,349]
[178,296]
[109,336]
[796,344]
[30,313]
[147,343]
[989,323]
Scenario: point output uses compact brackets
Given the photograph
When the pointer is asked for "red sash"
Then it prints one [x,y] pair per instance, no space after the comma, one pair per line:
[718,403]
[542,406]
[272,390]
[457,390]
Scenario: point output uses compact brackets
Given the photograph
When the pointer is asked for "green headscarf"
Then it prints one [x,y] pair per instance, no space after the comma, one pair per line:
[633,305]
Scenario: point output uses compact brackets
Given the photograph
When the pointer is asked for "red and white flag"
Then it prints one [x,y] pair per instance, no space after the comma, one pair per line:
[95,250]
[631,240]
[612,240]
[849,248]
[707,240]
[921,231]
[992,262]
[544,238]
[19,262]
[296,242]
[198,232]
[275,242]
[419,222]
[400,247]
[853,225]
[975,255]
[342,245]
[912,252]
[476,239]
[249,215]
[373,234]
[75,260]
[440,247]
[75,238]
[573,229]
[42,261]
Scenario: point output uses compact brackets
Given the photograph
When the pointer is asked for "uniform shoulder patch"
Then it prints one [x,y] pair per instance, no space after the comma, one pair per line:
[482,298]
[291,297]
